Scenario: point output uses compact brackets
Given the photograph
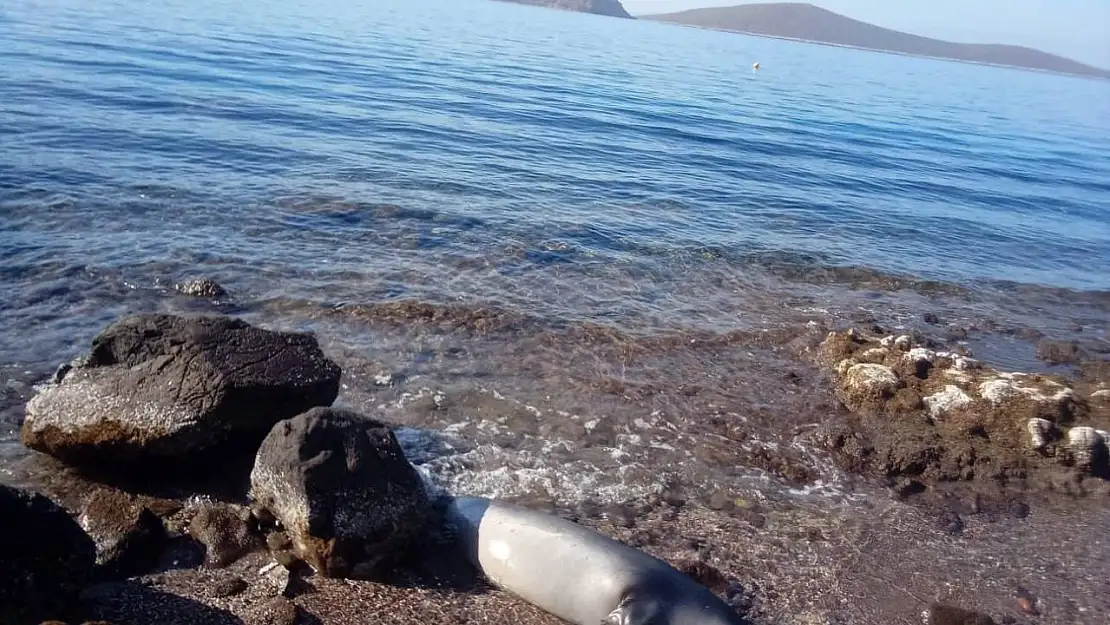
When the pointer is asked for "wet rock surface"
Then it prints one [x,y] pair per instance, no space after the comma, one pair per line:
[45,558]
[342,489]
[1061,352]
[161,386]
[201,287]
[129,537]
[934,414]
[795,554]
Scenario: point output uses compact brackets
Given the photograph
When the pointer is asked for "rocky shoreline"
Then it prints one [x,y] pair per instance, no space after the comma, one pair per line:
[210,480]
[964,420]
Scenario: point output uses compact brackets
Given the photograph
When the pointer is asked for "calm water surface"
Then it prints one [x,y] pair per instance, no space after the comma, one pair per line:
[560,166]
[567,253]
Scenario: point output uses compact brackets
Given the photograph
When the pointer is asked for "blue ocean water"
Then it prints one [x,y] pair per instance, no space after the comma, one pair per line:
[479,151]
[555,199]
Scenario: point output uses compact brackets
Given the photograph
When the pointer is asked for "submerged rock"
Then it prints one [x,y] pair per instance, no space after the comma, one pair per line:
[1061,352]
[201,287]
[342,489]
[45,558]
[165,386]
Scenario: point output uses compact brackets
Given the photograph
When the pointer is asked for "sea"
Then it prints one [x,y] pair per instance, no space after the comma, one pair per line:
[567,255]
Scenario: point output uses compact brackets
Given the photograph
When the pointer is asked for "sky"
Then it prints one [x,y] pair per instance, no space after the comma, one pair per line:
[1078,29]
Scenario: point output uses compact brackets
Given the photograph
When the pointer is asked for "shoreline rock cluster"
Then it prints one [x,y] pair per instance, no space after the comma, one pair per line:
[161,387]
[925,412]
[161,400]
[209,443]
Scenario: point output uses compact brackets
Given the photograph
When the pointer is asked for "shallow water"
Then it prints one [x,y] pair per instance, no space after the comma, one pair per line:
[574,258]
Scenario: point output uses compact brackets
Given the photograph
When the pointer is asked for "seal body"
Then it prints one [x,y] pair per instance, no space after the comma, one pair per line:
[576,573]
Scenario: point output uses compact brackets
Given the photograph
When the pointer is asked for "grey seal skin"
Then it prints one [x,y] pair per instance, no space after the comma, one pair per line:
[576,573]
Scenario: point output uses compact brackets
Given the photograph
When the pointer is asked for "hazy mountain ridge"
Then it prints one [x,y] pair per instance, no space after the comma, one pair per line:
[612,8]
[804,21]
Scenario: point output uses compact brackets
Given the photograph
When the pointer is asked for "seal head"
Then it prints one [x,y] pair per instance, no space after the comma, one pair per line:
[667,600]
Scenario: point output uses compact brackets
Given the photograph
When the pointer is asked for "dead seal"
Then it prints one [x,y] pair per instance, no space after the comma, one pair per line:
[576,573]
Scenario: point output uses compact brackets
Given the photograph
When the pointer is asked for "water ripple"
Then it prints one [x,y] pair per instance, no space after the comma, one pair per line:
[574,166]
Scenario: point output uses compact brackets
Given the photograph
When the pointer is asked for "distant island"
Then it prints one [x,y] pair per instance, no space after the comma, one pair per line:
[612,8]
[801,21]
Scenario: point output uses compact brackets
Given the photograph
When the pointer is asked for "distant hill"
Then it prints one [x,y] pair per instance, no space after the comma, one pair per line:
[611,8]
[795,20]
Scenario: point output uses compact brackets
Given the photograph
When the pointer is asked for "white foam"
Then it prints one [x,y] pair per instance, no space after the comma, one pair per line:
[462,459]
[448,464]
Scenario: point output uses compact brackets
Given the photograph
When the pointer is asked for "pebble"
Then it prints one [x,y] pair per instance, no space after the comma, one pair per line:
[1039,431]
[1085,444]
[1028,606]
[229,587]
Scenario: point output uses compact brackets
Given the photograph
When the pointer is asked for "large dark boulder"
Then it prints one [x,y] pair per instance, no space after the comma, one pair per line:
[157,387]
[342,489]
[45,557]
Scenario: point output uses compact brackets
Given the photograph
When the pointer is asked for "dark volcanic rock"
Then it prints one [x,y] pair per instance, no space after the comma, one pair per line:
[225,533]
[129,538]
[201,287]
[342,489]
[45,557]
[164,386]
